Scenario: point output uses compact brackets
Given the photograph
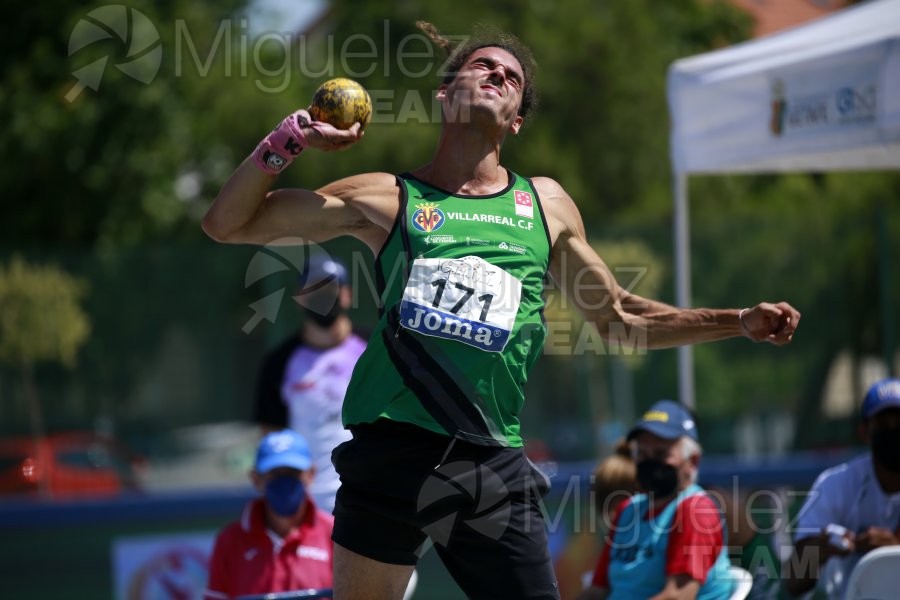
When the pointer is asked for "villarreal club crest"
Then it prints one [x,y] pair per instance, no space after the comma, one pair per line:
[428,217]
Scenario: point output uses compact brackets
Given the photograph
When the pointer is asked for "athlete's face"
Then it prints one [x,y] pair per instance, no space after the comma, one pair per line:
[490,81]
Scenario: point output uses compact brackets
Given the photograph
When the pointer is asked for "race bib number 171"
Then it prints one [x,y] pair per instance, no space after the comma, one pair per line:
[464,299]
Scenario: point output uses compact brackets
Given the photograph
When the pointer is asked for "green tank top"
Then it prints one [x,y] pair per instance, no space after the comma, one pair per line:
[461,304]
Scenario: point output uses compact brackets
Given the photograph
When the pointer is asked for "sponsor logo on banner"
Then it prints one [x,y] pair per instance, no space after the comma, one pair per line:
[776,122]
[524,205]
[428,217]
[856,104]
[168,565]
[853,104]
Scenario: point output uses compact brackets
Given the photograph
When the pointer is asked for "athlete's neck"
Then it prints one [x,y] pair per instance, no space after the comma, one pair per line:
[466,162]
[326,337]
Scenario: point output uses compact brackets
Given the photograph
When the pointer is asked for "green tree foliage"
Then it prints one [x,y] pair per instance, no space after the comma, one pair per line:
[825,242]
[101,167]
[41,320]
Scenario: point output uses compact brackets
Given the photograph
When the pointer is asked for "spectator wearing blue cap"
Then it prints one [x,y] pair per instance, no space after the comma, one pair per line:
[282,541]
[669,540]
[302,382]
[854,507]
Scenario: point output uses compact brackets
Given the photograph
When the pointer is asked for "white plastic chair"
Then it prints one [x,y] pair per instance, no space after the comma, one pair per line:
[743,581]
[411,586]
[292,595]
[876,576]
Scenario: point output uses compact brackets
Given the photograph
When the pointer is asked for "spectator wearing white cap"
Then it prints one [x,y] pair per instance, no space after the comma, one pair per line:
[282,541]
[854,507]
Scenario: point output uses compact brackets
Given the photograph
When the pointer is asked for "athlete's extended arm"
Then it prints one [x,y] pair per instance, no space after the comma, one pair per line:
[246,211]
[587,281]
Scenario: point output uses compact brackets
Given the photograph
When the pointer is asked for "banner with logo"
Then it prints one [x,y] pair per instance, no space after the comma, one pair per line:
[813,101]
[824,96]
[158,567]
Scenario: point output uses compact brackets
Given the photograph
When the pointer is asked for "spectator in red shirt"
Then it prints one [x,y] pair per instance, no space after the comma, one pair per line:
[282,541]
[667,542]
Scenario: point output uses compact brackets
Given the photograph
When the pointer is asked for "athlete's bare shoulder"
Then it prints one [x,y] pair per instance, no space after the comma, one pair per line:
[559,208]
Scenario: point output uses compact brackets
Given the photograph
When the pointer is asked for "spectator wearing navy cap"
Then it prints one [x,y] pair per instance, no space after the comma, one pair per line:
[282,541]
[302,383]
[668,541]
[854,507]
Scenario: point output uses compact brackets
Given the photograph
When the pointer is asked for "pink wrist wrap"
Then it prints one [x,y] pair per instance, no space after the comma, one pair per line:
[278,149]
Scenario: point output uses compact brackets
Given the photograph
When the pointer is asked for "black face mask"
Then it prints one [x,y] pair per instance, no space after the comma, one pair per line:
[657,478]
[327,319]
[886,448]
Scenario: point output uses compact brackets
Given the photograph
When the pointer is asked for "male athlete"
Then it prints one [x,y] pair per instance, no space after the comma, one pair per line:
[462,245]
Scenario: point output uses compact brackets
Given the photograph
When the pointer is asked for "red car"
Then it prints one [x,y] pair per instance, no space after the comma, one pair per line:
[66,465]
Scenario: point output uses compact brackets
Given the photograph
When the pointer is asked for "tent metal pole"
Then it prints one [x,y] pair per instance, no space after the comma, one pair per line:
[683,285]
[887,306]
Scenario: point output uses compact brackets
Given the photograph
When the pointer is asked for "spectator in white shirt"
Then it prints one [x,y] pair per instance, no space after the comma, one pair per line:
[854,507]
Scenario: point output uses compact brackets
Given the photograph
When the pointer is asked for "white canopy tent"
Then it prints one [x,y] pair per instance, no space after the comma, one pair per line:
[821,97]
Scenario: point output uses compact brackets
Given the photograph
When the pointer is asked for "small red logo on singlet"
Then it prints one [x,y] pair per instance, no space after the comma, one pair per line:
[524,205]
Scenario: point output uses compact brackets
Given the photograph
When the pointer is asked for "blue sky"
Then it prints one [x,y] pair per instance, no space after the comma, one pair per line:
[283,15]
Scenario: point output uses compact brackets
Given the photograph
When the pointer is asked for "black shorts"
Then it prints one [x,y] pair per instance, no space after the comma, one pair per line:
[404,488]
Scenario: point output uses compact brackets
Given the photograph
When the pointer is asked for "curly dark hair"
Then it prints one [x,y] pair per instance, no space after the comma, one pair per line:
[486,36]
